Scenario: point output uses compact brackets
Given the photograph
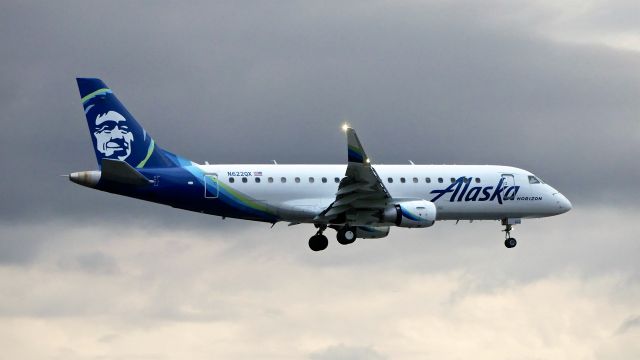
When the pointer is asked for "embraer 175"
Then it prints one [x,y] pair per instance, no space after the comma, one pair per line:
[358,200]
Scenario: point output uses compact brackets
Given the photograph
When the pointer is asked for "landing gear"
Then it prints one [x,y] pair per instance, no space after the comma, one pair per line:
[509,242]
[319,242]
[346,235]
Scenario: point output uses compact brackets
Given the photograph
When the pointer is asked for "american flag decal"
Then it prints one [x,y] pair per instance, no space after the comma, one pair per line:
[257,173]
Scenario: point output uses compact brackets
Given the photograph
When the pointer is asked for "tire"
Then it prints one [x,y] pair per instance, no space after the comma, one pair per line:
[510,243]
[346,235]
[318,242]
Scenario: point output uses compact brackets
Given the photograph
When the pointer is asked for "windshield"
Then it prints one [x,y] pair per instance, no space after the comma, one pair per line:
[535,180]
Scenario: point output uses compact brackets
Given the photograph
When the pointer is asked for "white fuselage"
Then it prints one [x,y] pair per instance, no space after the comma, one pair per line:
[303,193]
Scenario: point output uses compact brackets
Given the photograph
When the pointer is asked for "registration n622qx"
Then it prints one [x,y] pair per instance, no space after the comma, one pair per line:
[357,199]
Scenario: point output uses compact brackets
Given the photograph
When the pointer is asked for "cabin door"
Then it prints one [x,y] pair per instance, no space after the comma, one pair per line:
[508,181]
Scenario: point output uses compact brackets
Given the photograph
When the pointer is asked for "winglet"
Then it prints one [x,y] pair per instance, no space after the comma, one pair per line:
[355,151]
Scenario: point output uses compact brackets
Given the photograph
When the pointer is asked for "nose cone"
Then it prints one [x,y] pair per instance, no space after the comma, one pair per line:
[564,204]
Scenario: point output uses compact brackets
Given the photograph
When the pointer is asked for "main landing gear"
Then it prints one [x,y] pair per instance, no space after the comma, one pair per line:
[509,242]
[346,235]
[319,242]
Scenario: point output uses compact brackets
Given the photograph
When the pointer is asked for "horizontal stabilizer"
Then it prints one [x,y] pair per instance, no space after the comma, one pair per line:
[121,172]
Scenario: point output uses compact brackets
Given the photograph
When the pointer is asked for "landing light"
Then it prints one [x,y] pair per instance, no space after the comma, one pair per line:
[345,127]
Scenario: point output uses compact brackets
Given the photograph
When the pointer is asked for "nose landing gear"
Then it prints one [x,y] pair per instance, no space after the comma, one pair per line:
[509,242]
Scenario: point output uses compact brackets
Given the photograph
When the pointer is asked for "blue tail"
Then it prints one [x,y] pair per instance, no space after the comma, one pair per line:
[115,132]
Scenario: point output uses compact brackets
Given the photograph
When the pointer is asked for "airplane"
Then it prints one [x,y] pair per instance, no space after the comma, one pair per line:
[359,200]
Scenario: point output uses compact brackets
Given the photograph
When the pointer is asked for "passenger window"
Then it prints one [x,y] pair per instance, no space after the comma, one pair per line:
[283,179]
[257,180]
[467,180]
[244,179]
[337,180]
[402,180]
[324,179]
[533,180]
[297,179]
[390,180]
[311,180]
[270,179]
[453,180]
[478,180]
[415,180]
[427,180]
[440,180]
[231,180]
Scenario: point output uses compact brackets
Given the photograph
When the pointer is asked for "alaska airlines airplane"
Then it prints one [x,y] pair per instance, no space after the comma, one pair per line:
[357,199]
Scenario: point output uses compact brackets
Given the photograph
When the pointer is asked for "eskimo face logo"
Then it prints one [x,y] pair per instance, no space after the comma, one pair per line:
[113,137]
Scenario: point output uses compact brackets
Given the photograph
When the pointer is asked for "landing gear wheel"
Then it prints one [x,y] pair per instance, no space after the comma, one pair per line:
[318,242]
[346,235]
[510,242]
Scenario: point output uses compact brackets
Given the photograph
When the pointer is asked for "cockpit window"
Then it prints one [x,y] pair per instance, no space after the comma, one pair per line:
[533,180]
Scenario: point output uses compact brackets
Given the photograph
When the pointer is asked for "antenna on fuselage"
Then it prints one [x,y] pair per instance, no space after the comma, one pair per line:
[411,162]
[274,162]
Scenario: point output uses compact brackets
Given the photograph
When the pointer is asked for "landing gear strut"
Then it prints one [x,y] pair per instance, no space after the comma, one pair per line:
[319,242]
[509,242]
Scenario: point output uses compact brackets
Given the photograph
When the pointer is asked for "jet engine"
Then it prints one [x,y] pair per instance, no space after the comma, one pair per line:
[410,214]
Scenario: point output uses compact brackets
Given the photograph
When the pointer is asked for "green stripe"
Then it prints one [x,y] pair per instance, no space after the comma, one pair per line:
[149,152]
[95,93]
[243,199]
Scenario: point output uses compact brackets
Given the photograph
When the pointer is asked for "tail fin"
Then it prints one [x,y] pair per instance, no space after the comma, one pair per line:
[115,132]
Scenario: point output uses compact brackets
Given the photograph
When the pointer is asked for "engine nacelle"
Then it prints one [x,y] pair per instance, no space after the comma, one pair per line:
[411,214]
[371,232]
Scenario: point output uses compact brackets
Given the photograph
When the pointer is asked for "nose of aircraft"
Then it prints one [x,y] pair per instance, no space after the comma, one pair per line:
[564,204]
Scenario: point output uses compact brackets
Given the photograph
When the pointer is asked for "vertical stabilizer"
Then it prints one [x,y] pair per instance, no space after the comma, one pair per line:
[115,133]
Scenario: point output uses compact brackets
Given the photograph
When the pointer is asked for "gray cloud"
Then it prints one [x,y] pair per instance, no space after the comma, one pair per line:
[92,262]
[342,352]
[630,324]
[417,294]
[546,86]
[454,80]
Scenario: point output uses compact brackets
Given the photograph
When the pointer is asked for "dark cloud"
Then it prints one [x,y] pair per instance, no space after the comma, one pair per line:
[230,82]
[92,262]
[17,250]
[535,86]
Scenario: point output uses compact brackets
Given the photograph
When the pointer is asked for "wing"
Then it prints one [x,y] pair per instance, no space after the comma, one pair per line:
[361,194]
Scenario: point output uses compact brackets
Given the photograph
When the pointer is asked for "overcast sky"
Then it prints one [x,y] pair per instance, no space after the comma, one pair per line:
[552,87]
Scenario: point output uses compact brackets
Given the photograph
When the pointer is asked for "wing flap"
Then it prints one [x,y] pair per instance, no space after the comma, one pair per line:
[360,187]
